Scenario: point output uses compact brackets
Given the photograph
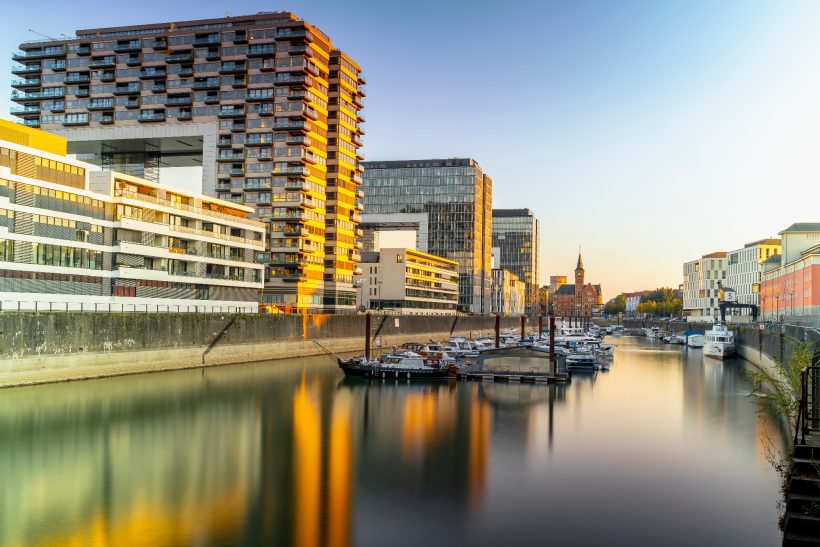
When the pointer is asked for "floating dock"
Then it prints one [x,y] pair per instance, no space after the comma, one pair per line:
[516,376]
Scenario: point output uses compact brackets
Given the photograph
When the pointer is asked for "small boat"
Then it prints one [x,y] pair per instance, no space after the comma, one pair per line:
[581,361]
[695,340]
[404,364]
[720,342]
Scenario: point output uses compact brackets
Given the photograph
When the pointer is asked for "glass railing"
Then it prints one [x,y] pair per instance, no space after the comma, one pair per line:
[186,207]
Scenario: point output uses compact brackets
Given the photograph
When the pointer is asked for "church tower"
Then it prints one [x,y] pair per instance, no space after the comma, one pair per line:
[579,284]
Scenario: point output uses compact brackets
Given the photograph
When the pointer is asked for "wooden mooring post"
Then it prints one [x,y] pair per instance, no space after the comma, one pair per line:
[540,325]
[497,331]
[367,336]
[523,326]
[552,344]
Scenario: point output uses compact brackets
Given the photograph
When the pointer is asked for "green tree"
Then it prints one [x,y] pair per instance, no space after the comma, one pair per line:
[616,305]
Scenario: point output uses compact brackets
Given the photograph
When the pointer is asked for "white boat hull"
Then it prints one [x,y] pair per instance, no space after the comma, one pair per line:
[718,351]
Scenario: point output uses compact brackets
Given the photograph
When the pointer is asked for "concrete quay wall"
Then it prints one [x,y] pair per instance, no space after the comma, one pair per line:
[51,347]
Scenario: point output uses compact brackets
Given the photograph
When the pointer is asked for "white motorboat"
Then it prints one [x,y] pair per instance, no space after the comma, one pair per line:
[462,348]
[720,342]
[581,361]
[695,340]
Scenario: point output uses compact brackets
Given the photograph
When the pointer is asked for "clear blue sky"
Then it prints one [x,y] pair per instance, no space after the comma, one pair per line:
[649,132]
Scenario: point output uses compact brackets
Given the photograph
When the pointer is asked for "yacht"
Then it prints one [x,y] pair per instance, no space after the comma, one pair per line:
[720,342]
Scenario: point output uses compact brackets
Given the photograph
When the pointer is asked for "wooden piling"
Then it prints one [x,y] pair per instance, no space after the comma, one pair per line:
[523,323]
[497,331]
[367,336]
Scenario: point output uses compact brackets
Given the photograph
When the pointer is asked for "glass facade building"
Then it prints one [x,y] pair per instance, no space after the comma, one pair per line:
[517,233]
[265,103]
[456,196]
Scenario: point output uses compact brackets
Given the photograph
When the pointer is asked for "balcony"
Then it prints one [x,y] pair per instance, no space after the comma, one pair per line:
[355,218]
[261,50]
[160,44]
[293,170]
[259,95]
[212,98]
[106,120]
[231,113]
[25,109]
[134,60]
[213,55]
[357,102]
[238,128]
[312,69]
[359,193]
[231,158]
[311,158]
[357,179]
[158,87]
[186,72]
[299,139]
[55,51]
[103,62]
[32,122]
[36,95]
[232,68]
[132,103]
[129,89]
[101,104]
[26,69]
[82,92]
[210,83]
[356,140]
[58,65]
[77,78]
[180,57]
[125,47]
[76,120]
[179,101]
[151,116]
[107,77]
[295,230]
[83,50]
[291,125]
[293,34]
[152,73]
[239,83]
[209,40]
[268,65]
[28,82]
[234,172]
[184,115]
[57,106]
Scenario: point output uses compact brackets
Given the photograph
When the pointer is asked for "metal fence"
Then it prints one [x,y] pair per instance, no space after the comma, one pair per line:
[41,306]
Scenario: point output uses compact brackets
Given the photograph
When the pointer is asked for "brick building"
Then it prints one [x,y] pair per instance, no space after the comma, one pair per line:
[578,298]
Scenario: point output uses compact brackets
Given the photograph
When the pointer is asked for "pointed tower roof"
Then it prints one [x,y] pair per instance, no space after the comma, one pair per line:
[580,265]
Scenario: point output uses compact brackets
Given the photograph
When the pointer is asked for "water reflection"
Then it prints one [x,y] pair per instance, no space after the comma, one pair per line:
[664,449]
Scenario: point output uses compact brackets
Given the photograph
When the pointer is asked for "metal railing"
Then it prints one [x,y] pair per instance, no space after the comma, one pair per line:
[42,306]
[808,413]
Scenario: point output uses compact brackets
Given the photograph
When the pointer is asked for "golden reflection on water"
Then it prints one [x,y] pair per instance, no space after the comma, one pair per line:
[289,453]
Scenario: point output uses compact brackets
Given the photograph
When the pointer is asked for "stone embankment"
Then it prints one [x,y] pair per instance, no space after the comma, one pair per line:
[51,347]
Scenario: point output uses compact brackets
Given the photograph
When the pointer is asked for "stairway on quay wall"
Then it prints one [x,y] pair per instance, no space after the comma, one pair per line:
[51,347]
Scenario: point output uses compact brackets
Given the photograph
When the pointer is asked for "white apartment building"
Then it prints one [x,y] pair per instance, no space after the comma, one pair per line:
[509,295]
[701,292]
[407,281]
[744,269]
[73,237]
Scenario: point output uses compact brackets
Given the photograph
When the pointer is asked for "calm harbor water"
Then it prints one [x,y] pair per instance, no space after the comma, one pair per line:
[664,449]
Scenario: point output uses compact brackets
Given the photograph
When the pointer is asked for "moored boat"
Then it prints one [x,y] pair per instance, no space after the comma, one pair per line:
[399,365]
[720,342]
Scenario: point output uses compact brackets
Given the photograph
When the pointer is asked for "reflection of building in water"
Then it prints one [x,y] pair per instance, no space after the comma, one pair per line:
[124,465]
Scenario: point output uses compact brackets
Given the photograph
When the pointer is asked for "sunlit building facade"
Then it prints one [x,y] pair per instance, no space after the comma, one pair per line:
[265,103]
[517,235]
[408,282]
[456,196]
[702,279]
[73,237]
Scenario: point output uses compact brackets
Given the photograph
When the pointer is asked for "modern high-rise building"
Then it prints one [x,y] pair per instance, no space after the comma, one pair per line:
[453,199]
[744,268]
[517,233]
[265,103]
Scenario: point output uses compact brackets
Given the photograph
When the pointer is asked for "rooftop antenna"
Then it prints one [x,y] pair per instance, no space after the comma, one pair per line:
[43,35]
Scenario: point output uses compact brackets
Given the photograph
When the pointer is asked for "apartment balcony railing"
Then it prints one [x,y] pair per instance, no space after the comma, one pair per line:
[25,109]
[149,73]
[133,45]
[26,69]
[129,89]
[231,113]
[209,40]
[56,51]
[28,82]
[178,101]
[293,170]
[231,68]
[105,62]
[151,116]
[210,83]
[180,57]
[261,50]
[101,104]
[77,78]
[37,95]
[240,156]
